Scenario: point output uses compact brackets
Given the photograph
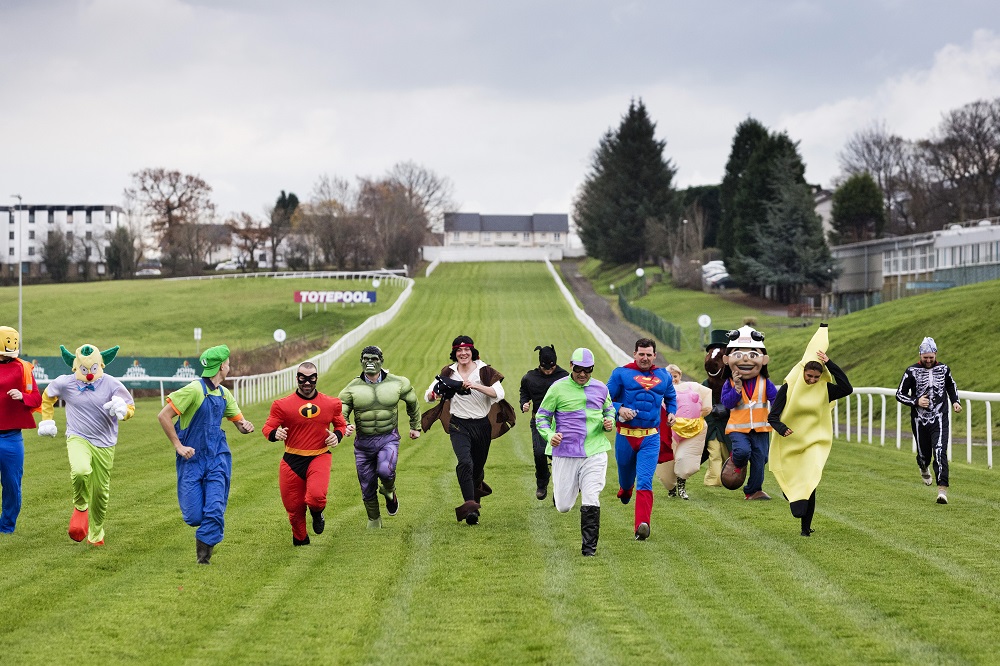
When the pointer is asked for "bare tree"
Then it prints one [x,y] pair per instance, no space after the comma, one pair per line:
[398,225]
[880,153]
[251,235]
[425,191]
[171,199]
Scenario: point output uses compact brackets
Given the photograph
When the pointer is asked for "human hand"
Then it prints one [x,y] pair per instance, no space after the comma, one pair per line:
[609,424]
[556,438]
[788,431]
[331,440]
[525,407]
[626,414]
[15,394]
[185,452]
[923,401]
[244,427]
[349,430]
[671,419]
[414,434]
[957,407]
[823,358]
[281,433]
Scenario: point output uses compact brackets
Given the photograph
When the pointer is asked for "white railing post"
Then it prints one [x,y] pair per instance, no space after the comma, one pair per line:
[881,435]
[847,417]
[968,431]
[870,417]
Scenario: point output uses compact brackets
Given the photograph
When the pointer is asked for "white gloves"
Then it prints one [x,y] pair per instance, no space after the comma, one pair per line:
[116,407]
[47,428]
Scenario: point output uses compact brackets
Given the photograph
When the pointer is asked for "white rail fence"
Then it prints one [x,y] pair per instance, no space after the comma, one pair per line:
[616,353]
[864,416]
[394,275]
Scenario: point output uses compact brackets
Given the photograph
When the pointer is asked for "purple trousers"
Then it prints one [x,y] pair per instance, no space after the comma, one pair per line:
[375,456]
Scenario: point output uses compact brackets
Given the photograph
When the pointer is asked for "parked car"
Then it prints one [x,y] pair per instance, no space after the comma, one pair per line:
[148,272]
[227,266]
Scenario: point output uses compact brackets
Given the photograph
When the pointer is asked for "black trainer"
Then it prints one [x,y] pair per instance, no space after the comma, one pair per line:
[472,518]
[392,504]
[319,522]
[303,542]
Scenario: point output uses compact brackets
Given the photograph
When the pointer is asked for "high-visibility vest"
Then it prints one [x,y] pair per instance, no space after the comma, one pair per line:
[751,414]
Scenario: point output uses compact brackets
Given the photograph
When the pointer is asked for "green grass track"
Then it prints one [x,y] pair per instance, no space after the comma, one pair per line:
[888,577]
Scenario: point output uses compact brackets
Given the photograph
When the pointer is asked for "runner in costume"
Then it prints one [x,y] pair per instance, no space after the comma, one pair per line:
[803,425]
[19,399]
[534,384]
[637,390]
[694,401]
[747,394]
[95,403]
[572,419]
[717,445]
[302,421]
[374,398]
[204,462]
[928,388]
[473,412]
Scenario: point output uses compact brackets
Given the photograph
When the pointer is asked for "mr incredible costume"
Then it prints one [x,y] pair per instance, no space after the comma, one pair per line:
[637,444]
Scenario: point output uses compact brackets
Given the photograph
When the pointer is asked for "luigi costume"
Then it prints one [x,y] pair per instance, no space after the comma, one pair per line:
[203,477]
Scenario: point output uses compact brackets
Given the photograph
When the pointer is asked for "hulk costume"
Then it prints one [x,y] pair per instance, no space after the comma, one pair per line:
[374,398]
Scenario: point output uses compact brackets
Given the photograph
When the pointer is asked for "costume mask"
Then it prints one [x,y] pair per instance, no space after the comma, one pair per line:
[88,362]
[713,361]
[371,364]
[11,342]
[746,353]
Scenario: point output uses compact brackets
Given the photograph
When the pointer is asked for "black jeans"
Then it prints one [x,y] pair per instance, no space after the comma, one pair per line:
[542,473]
[470,439]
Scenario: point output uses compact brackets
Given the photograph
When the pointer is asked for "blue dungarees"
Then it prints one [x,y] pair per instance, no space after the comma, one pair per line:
[203,479]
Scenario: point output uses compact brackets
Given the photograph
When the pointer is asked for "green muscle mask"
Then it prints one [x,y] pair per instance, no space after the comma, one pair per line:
[376,406]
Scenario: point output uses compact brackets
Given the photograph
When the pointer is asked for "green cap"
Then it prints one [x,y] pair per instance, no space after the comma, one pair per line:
[212,359]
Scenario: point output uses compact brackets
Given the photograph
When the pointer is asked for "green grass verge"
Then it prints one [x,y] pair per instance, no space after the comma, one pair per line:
[158,317]
[889,576]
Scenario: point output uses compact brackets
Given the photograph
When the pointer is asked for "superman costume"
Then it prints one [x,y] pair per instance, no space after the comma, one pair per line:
[637,444]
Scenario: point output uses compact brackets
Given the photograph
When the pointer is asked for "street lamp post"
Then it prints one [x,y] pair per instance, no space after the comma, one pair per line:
[20,271]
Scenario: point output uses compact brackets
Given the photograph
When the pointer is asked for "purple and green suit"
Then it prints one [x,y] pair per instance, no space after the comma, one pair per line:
[579,411]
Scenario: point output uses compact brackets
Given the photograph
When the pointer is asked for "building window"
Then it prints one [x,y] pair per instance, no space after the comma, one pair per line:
[12,235]
[86,252]
[31,234]
[456,235]
[31,251]
[555,236]
[10,251]
[89,235]
[31,217]
[486,236]
[69,236]
[89,218]
[527,236]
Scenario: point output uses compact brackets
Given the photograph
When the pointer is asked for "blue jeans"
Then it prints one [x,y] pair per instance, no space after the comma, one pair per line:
[752,447]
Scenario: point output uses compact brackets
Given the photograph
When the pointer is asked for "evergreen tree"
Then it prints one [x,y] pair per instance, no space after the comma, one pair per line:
[56,255]
[858,210]
[629,184]
[790,252]
[750,134]
[121,256]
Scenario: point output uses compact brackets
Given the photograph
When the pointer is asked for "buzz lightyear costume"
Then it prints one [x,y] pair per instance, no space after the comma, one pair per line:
[95,403]
[374,398]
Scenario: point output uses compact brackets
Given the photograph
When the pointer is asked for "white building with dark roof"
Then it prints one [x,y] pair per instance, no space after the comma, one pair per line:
[475,230]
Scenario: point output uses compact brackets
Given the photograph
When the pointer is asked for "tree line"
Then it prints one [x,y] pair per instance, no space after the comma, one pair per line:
[370,223]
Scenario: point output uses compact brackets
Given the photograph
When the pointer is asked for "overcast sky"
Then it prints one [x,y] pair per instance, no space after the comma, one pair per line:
[506,99]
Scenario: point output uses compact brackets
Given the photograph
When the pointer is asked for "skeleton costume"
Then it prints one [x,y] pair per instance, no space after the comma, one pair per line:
[930,425]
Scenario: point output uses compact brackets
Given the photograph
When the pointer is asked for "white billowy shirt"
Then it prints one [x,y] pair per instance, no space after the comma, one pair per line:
[476,405]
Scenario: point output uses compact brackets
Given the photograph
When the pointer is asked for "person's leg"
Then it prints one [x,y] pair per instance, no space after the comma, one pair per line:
[191,487]
[759,442]
[625,456]
[80,469]
[922,436]
[385,466]
[366,461]
[565,481]
[667,474]
[102,462]
[645,466]
[741,449]
[480,453]
[714,471]
[807,517]
[461,444]
[542,474]
[592,477]
[293,498]
[11,472]
[687,454]
[317,487]
[217,481]
[939,432]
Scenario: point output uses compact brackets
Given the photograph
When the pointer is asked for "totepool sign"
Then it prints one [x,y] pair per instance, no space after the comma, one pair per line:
[335,297]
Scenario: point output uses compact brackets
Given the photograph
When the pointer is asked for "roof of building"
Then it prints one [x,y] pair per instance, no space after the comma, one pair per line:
[539,222]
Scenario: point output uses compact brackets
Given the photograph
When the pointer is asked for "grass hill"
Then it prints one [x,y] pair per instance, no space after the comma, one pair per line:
[873,345]
[158,317]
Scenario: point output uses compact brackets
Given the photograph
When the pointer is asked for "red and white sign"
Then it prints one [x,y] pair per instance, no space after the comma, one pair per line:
[335,297]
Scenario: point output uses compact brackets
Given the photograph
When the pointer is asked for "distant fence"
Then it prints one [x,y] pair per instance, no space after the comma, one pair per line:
[616,353]
[866,416]
[453,253]
[394,275]
[666,332]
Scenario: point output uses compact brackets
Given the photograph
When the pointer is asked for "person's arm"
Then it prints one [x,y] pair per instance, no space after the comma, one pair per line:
[412,409]
[338,422]
[730,396]
[770,390]
[272,429]
[545,418]
[525,398]
[166,418]
[670,403]
[952,390]
[233,413]
[842,387]
[347,401]
[907,387]
[704,398]
[778,406]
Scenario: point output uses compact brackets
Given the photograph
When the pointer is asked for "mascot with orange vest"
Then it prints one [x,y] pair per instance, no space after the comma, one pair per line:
[747,393]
